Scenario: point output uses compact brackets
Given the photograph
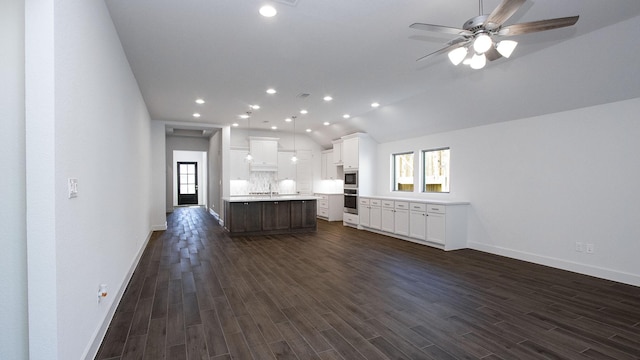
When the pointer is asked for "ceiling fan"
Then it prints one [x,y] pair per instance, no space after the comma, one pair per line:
[478,34]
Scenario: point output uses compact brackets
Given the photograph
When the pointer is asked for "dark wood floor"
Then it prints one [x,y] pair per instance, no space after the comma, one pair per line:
[342,293]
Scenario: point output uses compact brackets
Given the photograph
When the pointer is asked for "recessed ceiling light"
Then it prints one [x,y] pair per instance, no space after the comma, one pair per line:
[268,11]
[254,107]
[346,116]
[308,130]
[375,105]
[235,124]
[196,115]
[244,116]
[287,119]
[303,111]
[326,123]
[199,101]
[274,127]
[328,98]
[271,91]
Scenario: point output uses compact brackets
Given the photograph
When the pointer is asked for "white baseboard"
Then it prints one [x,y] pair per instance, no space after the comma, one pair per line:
[159,227]
[91,352]
[599,272]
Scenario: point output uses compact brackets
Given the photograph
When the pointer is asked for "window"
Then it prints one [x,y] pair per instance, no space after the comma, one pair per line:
[436,170]
[403,172]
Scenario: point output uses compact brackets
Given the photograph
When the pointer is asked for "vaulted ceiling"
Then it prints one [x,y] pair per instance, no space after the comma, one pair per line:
[363,51]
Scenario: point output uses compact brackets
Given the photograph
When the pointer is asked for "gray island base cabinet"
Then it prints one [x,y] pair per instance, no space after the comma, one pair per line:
[270,216]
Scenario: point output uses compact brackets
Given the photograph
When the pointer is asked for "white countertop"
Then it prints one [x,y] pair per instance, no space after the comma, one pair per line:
[427,201]
[258,198]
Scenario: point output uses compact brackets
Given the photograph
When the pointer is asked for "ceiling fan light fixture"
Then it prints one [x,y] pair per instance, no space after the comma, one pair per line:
[268,11]
[478,61]
[506,47]
[482,43]
[457,55]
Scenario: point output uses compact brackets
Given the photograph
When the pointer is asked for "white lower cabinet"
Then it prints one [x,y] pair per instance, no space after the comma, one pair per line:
[388,216]
[418,221]
[375,214]
[436,224]
[364,209]
[401,218]
[330,206]
[441,225]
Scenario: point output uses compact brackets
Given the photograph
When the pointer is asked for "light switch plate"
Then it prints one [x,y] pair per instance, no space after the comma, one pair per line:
[73,188]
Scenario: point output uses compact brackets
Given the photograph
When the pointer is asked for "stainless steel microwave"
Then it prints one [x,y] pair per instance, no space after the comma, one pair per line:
[350,179]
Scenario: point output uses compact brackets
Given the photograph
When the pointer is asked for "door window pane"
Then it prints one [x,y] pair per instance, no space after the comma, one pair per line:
[403,172]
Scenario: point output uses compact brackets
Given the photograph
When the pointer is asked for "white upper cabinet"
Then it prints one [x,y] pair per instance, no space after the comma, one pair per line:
[350,153]
[337,152]
[265,153]
[239,168]
[286,167]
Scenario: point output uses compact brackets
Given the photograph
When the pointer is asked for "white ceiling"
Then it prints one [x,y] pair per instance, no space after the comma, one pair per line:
[360,51]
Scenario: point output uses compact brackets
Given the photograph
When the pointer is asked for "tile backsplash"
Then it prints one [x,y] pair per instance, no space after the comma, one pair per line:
[262,182]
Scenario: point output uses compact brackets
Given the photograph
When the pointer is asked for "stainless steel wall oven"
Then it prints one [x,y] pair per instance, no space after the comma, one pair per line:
[351,201]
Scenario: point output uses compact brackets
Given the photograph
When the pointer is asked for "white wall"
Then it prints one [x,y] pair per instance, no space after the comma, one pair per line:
[215,172]
[13,257]
[85,119]
[538,185]
[159,184]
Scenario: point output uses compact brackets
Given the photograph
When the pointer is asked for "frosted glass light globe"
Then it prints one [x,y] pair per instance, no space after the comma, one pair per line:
[482,43]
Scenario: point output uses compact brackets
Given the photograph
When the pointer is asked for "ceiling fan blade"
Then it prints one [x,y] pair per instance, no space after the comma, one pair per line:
[440,29]
[502,13]
[446,49]
[492,54]
[535,26]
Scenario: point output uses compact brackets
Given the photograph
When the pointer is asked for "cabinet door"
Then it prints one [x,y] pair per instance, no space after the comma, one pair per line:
[323,166]
[303,214]
[337,153]
[401,226]
[365,215]
[304,172]
[265,155]
[245,217]
[436,225]
[350,153]
[418,225]
[331,170]
[275,215]
[375,217]
[286,168]
[388,220]
[239,168]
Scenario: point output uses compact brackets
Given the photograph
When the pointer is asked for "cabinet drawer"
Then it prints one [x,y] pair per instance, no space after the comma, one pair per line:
[436,209]
[387,203]
[323,196]
[375,202]
[418,207]
[351,218]
[323,212]
[362,201]
[402,205]
[323,204]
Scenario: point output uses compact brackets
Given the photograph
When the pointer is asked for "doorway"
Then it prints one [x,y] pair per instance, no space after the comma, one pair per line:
[187,183]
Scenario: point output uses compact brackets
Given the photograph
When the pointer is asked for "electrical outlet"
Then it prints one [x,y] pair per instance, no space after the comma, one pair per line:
[73,188]
[590,248]
[579,246]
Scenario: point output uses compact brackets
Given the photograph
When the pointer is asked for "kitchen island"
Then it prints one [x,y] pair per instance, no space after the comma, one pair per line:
[268,215]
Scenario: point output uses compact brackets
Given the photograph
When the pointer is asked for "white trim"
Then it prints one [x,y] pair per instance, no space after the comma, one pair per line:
[91,352]
[159,227]
[604,273]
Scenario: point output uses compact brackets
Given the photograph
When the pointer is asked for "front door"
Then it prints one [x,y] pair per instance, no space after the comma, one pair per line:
[187,183]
